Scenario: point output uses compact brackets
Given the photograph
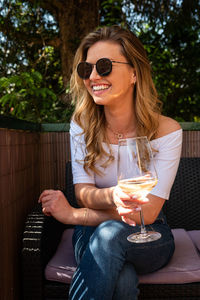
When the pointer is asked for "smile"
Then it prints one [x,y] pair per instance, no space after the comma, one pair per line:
[100,87]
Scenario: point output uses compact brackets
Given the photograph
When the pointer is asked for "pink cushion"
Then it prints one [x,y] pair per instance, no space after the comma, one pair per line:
[62,265]
[184,266]
[195,236]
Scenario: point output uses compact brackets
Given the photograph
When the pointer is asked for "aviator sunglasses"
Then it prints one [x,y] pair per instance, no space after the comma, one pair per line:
[103,67]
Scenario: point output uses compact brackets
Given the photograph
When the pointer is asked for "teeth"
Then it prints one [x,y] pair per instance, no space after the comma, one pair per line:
[99,87]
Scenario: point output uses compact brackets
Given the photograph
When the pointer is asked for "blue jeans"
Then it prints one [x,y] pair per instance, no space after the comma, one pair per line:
[108,264]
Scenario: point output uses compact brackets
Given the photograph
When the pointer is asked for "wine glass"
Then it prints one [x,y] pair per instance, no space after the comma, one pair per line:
[137,176]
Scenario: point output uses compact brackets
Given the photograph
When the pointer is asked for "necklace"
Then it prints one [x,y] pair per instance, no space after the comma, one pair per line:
[118,135]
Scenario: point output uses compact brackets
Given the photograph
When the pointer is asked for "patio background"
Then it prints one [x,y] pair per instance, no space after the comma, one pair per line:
[32,158]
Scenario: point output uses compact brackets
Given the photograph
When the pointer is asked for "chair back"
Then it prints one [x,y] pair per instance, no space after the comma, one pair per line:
[183,207]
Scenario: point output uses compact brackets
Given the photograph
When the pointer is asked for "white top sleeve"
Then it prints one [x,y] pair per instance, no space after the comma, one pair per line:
[166,161]
[78,152]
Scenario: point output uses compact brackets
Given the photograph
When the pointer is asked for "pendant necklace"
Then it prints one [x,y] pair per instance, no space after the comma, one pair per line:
[118,135]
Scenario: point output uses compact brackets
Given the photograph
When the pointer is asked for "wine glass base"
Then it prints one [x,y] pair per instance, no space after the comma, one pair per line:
[146,237]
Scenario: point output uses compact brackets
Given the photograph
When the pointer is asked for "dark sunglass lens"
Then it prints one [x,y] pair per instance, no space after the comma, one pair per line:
[104,66]
[84,70]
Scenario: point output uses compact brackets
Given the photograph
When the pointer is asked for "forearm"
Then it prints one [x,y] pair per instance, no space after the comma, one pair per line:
[150,211]
[92,217]
[95,198]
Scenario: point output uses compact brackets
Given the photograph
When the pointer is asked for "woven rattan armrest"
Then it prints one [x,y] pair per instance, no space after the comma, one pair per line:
[40,240]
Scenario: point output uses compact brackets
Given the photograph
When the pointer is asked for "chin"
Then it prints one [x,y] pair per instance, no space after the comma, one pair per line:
[99,101]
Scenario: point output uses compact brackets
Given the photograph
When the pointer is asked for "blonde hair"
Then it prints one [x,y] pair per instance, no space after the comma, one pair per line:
[90,117]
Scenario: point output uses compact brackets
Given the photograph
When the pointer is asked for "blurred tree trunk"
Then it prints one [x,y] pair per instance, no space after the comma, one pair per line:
[75,19]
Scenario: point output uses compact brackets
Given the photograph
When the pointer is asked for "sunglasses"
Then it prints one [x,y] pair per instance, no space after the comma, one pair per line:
[103,67]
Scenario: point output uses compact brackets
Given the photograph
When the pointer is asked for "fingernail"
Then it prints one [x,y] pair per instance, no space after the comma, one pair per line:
[132,224]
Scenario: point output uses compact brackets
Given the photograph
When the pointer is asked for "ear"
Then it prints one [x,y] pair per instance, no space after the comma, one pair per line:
[134,78]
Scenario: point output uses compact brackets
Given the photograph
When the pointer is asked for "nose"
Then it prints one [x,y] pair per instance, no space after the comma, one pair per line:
[94,74]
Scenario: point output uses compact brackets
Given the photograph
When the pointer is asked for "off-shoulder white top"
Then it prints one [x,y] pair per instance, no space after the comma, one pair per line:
[166,161]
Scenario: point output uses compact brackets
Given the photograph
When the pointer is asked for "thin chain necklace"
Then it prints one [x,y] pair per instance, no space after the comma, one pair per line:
[118,135]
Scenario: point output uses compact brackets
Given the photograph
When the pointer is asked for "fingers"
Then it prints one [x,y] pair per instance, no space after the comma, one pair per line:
[123,211]
[128,221]
[51,200]
[139,200]
[120,198]
[120,194]
[45,194]
[127,200]
[45,212]
[55,204]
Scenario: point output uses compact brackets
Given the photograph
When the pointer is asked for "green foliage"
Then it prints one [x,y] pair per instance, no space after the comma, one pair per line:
[30,83]
[30,64]
[25,97]
[170,31]
[111,12]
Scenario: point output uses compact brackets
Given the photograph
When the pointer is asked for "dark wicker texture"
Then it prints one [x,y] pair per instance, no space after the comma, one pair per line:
[42,235]
[183,209]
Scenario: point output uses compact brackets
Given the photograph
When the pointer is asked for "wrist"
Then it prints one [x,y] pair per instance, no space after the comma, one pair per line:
[80,216]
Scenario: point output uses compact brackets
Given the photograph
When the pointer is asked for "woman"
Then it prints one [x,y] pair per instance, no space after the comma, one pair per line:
[115,98]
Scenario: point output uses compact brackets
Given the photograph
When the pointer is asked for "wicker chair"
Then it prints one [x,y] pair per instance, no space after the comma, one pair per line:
[42,235]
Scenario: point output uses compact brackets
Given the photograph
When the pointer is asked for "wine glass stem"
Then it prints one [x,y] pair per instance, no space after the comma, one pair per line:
[142,226]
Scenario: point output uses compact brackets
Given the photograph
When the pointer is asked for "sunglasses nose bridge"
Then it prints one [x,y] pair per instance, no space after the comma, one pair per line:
[94,73]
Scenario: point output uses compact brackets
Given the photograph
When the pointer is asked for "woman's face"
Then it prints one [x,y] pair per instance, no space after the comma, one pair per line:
[118,85]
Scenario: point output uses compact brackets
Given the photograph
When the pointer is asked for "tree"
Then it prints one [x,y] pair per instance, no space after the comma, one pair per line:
[41,36]
[170,31]
[39,39]
[111,12]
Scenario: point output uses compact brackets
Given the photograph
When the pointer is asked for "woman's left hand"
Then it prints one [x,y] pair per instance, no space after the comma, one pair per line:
[55,204]
[127,205]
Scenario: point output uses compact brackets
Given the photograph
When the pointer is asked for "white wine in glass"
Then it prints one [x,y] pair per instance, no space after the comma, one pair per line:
[137,176]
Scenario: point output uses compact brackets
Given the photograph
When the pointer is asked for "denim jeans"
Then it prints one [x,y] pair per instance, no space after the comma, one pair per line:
[108,263]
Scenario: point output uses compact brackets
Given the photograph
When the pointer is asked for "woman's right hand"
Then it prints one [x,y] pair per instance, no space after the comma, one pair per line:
[55,204]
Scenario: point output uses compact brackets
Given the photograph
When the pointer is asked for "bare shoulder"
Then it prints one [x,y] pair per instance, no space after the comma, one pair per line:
[166,126]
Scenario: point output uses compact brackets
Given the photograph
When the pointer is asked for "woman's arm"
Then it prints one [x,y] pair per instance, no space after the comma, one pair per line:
[87,195]
[55,204]
[107,200]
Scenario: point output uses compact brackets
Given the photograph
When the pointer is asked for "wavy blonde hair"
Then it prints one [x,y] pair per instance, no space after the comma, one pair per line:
[90,116]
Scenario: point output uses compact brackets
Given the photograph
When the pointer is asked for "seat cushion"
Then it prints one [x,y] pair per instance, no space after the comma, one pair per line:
[195,236]
[184,267]
[62,265]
